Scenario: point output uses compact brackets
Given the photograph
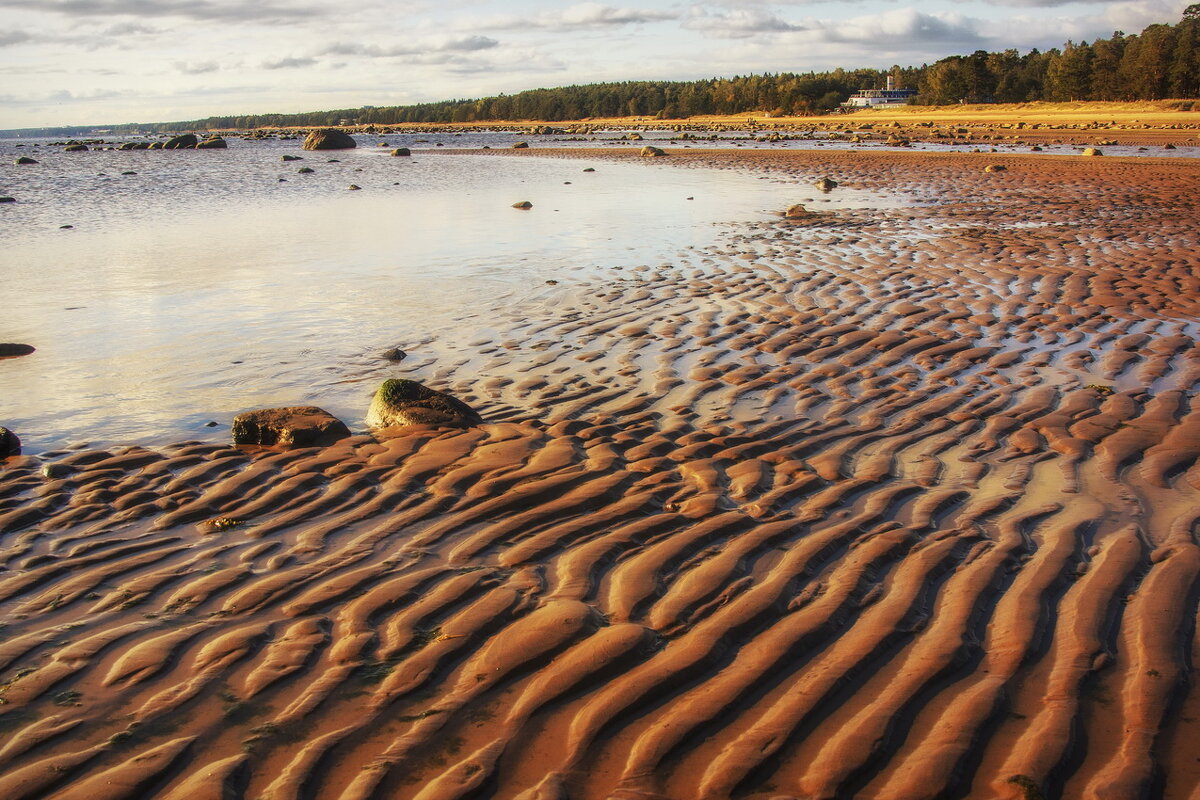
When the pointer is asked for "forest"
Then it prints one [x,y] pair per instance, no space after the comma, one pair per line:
[1161,62]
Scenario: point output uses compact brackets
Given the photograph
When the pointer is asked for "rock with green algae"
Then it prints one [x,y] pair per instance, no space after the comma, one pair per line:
[400,403]
[10,445]
[300,426]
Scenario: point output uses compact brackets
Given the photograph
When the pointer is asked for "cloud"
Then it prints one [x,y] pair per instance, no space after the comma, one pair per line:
[288,63]
[903,26]
[196,67]
[582,16]
[9,38]
[433,45]
[739,23]
[207,10]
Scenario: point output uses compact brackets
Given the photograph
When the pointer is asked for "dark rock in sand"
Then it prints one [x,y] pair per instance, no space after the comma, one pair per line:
[293,158]
[10,445]
[401,402]
[524,205]
[520,146]
[1168,146]
[825,184]
[11,349]
[181,142]
[329,139]
[214,143]
[402,151]
[25,160]
[649,151]
[394,354]
[995,168]
[75,148]
[303,426]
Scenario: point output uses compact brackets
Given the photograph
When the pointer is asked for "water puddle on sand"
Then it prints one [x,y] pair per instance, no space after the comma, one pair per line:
[203,285]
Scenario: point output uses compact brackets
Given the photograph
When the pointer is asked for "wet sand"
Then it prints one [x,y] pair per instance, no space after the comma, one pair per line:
[892,503]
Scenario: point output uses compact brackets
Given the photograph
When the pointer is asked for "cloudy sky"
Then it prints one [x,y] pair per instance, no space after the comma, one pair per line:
[108,61]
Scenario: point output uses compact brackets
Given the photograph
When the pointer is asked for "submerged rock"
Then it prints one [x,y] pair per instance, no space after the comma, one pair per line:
[181,142]
[401,402]
[10,445]
[11,349]
[329,139]
[304,426]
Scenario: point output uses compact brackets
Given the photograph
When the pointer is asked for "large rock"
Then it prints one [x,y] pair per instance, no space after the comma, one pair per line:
[303,426]
[650,151]
[826,184]
[400,402]
[10,445]
[213,143]
[11,349]
[181,142]
[329,139]
[25,160]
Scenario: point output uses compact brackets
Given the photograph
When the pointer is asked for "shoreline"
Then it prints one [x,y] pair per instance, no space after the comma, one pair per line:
[894,501]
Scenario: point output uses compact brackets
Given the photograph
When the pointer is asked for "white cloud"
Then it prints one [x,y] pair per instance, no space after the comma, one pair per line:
[739,23]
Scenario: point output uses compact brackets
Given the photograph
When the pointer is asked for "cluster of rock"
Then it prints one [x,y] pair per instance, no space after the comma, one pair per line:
[397,404]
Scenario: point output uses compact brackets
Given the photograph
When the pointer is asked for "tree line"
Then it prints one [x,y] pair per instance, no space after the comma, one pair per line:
[1161,62]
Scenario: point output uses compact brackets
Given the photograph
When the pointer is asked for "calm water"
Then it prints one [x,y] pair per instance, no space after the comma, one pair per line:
[212,282]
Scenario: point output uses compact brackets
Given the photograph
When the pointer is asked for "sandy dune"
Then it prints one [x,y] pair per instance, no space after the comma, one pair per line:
[888,504]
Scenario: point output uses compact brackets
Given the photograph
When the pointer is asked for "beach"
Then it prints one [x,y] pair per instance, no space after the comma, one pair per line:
[895,498]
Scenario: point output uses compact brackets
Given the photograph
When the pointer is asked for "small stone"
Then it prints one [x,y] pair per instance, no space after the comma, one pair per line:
[302,426]
[402,151]
[521,146]
[589,169]
[211,424]
[354,187]
[649,151]
[292,158]
[56,472]
[796,212]
[6,199]
[825,184]
[25,160]
[995,168]
[1093,151]
[394,354]
[524,205]
[65,227]
[306,170]
[75,148]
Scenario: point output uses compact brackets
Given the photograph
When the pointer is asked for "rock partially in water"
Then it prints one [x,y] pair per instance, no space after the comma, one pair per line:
[10,445]
[25,160]
[796,212]
[401,402]
[75,148]
[302,426]
[402,151]
[521,146]
[6,199]
[306,170]
[354,187]
[293,158]
[1093,151]
[181,142]
[394,354]
[213,143]
[329,139]
[650,151]
[826,184]
[12,349]
[155,146]
[524,205]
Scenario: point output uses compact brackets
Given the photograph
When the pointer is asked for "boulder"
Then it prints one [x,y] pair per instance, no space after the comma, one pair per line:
[796,212]
[292,158]
[329,139]
[649,151]
[524,205]
[181,142]
[10,445]
[1093,151]
[25,160]
[75,148]
[402,151]
[995,168]
[155,146]
[302,426]
[306,170]
[213,143]
[11,349]
[825,184]
[401,402]
[634,137]
[520,146]
[7,199]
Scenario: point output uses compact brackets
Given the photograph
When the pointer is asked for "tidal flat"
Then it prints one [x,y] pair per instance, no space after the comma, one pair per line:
[894,499]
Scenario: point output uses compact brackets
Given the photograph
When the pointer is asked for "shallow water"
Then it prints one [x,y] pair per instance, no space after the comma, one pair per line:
[204,285]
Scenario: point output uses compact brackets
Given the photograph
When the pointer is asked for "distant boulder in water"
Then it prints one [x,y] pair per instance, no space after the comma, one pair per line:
[402,151]
[25,160]
[213,143]
[181,142]
[75,148]
[521,146]
[329,139]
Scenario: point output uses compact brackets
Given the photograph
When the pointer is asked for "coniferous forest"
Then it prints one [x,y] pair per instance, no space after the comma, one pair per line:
[1161,62]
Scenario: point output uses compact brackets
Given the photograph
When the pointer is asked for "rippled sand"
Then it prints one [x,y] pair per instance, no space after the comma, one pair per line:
[892,503]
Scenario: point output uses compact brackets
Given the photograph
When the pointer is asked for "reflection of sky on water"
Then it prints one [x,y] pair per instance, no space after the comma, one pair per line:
[224,295]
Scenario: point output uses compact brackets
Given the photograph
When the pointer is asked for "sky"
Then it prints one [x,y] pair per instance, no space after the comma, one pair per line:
[85,62]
